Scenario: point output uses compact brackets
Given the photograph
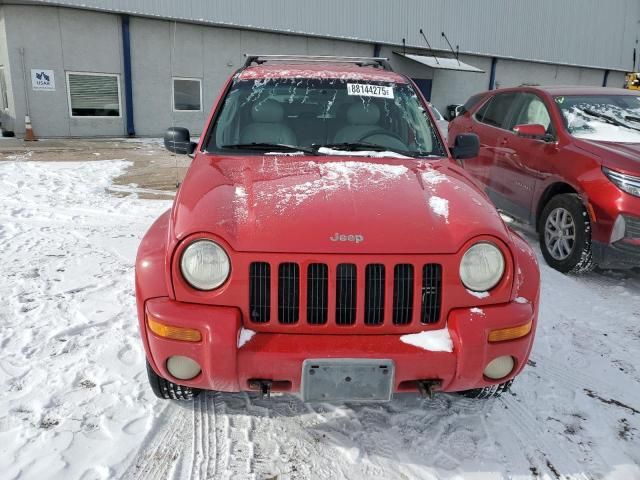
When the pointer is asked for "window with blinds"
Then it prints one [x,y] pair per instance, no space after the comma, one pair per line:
[93,95]
[187,95]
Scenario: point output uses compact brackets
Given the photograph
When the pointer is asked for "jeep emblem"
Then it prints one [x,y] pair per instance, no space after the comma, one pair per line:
[341,237]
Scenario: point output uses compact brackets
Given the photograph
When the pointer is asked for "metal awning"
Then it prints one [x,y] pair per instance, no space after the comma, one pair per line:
[441,63]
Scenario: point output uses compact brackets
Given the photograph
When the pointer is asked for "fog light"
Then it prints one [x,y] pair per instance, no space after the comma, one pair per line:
[182,368]
[499,367]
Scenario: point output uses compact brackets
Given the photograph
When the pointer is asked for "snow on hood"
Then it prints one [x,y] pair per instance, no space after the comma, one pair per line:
[297,204]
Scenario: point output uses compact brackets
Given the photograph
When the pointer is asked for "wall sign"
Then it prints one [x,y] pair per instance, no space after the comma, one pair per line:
[43,79]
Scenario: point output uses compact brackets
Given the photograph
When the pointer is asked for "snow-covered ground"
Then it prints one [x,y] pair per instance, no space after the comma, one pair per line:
[75,401]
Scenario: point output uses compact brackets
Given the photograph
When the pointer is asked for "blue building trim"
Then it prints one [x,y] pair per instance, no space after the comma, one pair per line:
[492,76]
[128,87]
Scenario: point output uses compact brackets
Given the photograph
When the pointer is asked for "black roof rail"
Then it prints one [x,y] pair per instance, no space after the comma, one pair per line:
[380,62]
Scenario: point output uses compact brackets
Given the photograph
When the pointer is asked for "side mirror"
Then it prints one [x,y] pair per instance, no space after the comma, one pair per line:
[533,130]
[178,140]
[466,145]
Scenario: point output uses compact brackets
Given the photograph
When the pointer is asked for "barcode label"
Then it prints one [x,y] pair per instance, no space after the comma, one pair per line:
[366,90]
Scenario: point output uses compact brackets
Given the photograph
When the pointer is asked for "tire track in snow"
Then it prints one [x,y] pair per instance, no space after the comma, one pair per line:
[162,447]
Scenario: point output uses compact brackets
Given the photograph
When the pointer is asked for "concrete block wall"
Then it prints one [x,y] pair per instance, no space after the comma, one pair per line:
[209,54]
[62,40]
[70,40]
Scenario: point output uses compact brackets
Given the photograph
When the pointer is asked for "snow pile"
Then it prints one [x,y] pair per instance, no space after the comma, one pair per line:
[74,402]
[432,341]
[244,336]
[362,153]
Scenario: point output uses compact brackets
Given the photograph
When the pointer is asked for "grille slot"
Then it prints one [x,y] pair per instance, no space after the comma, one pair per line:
[632,227]
[317,293]
[346,294]
[402,294]
[374,294]
[260,292]
[431,293]
[288,293]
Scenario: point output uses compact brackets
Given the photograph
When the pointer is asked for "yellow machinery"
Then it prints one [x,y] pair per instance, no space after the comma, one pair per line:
[632,81]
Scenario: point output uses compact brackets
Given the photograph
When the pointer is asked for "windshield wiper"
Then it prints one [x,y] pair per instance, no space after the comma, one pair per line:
[364,146]
[606,118]
[276,147]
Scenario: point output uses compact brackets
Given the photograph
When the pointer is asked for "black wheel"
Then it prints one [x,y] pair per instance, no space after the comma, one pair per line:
[168,390]
[565,234]
[488,392]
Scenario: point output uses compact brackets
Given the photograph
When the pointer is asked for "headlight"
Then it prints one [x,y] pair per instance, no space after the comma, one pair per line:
[626,183]
[482,267]
[205,265]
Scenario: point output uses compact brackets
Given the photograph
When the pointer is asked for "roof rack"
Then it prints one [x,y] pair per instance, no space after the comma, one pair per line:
[380,62]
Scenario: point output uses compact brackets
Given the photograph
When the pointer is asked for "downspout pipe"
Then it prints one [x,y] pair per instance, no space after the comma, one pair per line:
[492,75]
[128,87]
[606,78]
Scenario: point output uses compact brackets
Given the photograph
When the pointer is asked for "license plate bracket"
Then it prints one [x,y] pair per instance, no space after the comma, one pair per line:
[347,380]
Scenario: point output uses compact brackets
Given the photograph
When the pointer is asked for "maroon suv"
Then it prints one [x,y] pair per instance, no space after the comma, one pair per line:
[566,160]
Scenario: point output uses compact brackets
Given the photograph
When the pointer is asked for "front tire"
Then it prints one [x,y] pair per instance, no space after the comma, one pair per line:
[167,390]
[494,391]
[565,234]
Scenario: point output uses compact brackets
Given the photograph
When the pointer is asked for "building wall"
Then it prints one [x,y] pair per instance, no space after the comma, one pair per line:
[72,40]
[452,87]
[579,32]
[210,54]
[6,117]
[62,40]
[512,73]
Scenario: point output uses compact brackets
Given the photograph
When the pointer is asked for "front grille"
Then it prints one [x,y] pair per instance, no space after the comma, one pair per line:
[317,293]
[288,293]
[325,291]
[632,227]
[346,294]
[402,294]
[374,294]
[431,286]
[260,292]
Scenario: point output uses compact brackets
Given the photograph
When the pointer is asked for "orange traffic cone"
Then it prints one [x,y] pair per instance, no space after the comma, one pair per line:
[29,136]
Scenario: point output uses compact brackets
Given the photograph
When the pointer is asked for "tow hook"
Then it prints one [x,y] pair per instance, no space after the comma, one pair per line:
[263,385]
[427,388]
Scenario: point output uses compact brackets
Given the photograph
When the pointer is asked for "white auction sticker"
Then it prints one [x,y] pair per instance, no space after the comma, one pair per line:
[366,90]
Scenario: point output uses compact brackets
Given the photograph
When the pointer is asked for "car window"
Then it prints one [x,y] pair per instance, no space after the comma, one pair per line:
[533,110]
[436,113]
[471,102]
[496,111]
[607,117]
[315,112]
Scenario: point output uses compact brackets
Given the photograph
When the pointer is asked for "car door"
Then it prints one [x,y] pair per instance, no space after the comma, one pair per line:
[489,124]
[520,160]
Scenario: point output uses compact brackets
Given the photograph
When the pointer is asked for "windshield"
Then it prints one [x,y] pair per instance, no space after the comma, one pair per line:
[609,118]
[314,113]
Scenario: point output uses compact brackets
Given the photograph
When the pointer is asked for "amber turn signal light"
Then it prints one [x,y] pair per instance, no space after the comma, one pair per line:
[174,333]
[510,333]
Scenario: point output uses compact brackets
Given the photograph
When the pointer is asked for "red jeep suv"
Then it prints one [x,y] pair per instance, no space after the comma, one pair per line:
[325,242]
[566,160]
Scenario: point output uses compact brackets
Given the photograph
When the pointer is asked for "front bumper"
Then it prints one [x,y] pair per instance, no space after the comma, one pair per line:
[229,365]
[624,254]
